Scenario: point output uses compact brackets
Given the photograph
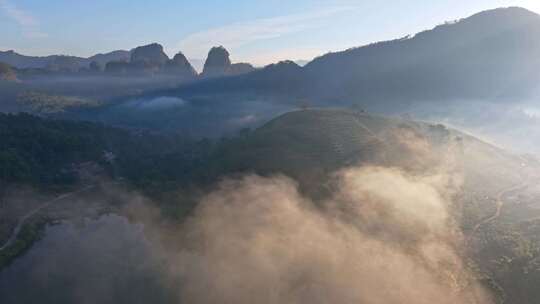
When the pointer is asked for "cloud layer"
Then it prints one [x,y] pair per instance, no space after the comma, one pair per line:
[384,237]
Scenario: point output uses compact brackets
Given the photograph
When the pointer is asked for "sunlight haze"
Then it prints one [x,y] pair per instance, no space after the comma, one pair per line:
[297,30]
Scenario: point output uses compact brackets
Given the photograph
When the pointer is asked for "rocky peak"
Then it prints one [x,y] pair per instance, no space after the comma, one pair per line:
[180,60]
[218,56]
[151,54]
[217,62]
[179,65]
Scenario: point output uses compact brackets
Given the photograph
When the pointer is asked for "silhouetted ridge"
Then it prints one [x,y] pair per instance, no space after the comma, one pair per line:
[490,55]
[60,61]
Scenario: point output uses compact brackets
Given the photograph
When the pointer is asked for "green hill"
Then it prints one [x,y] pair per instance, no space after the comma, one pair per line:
[320,141]
[495,206]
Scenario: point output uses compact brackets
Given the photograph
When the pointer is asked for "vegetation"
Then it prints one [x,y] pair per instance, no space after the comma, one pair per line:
[40,152]
[46,104]
[44,152]
[29,234]
[174,170]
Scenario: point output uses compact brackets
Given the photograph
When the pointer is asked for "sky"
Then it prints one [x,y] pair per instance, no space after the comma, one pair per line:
[255,31]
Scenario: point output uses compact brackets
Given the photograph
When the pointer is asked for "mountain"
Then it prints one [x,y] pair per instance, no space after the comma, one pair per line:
[151,59]
[59,61]
[152,54]
[102,59]
[309,144]
[180,65]
[218,64]
[22,62]
[490,55]
[284,78]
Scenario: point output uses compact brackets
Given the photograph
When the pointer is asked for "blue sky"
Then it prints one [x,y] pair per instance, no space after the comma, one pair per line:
[256,31]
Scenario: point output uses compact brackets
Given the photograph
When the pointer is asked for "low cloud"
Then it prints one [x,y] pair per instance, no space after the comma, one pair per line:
[384,237]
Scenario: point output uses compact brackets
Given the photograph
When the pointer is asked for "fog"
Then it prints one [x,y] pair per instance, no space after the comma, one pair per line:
[198,117]
[159,103]
[259,240]
[105,260]
[337,208]
[512,126]
[381,235]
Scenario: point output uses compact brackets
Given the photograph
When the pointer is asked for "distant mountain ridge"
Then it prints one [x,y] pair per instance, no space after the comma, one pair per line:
[24,62]
[151,59]
[494,54]
[146,59]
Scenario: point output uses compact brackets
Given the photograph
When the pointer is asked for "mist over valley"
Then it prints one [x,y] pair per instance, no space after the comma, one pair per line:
[400,171]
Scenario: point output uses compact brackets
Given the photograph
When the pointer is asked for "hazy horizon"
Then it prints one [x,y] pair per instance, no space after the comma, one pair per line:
[259,33]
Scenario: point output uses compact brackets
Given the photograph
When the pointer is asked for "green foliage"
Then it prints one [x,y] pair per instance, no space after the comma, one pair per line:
[38,151]
[44,152]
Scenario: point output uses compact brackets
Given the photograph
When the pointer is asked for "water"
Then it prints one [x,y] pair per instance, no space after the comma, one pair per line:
[105,260]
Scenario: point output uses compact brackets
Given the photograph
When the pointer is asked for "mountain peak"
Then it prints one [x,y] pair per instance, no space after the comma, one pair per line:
[151,53]
[217,62]
[180,65]
[507,11]
[495,20]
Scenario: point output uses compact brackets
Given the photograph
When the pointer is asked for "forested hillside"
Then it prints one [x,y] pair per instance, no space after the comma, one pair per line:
[42,152]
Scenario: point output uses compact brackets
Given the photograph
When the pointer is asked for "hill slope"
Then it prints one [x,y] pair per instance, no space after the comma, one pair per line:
[310,144]
[488,55]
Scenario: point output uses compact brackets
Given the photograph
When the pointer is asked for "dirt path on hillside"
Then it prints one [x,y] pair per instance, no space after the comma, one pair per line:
[34,211]
[500,205]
